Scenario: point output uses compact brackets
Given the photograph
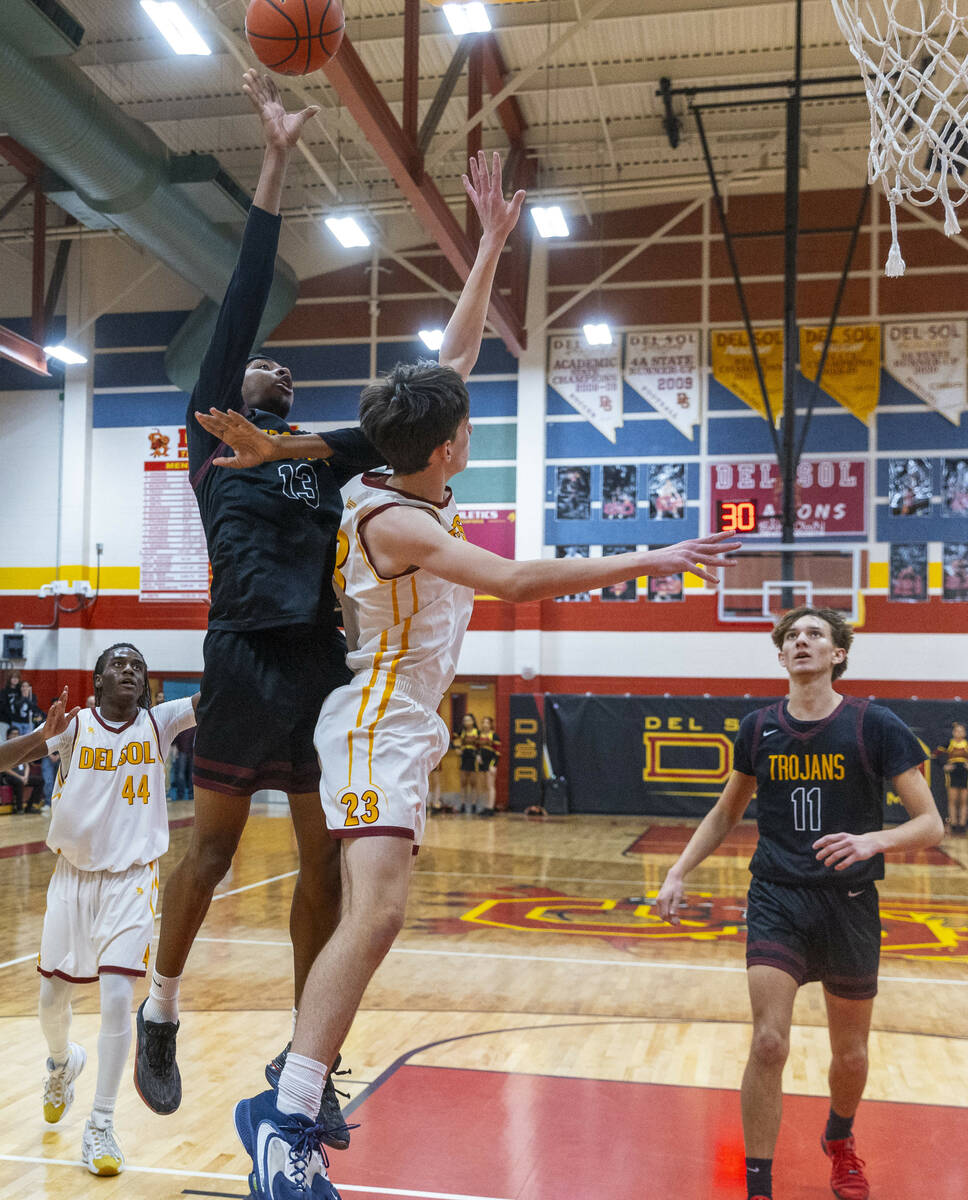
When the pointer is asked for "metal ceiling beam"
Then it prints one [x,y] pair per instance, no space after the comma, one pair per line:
[359,93]
[444,92]
[495,76]
[596,10]
[411,67]
[22,351]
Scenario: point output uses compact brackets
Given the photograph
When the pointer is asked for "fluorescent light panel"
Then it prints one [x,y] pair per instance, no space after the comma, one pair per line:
[175,27]
[433,339]
[597,333]
[65,354]
[347,231]
[467,18]
[550,222]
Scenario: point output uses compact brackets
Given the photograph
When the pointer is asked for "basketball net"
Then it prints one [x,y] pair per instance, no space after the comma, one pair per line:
[913,57]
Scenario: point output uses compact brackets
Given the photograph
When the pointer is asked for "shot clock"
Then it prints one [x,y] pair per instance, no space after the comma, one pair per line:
[736,516]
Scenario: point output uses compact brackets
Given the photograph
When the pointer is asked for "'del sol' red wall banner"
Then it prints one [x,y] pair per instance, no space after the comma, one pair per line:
[830,496]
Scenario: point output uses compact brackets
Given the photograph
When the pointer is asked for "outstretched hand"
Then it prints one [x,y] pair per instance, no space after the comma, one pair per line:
[693,555]
[57,719]
[250,444]
[485,189]
[282,129]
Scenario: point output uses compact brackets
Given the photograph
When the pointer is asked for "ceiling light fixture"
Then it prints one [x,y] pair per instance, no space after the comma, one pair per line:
[433,339]
[175,27]
[467,18]
[550,221]
[347,231]
[597,333]
[65,354]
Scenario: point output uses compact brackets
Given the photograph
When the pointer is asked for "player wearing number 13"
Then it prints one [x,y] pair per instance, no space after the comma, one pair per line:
[818,762]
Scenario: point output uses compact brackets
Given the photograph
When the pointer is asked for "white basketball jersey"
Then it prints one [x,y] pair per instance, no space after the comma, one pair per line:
[411,625]
[109,809]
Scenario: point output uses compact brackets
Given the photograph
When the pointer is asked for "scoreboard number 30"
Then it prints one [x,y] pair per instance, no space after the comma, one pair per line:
[736,516]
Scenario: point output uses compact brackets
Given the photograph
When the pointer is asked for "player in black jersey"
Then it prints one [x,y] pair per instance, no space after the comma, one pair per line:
[817,762]
[273,651]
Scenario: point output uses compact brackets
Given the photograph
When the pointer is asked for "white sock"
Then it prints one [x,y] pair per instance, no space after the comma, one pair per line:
[54,1011]
[162,1004]
[301,1086]
[113,1044]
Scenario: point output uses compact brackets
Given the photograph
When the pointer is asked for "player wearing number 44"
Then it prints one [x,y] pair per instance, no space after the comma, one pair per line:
[108,828]
[817,762]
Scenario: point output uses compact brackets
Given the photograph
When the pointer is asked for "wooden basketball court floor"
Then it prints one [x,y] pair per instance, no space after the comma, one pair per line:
[535,1034]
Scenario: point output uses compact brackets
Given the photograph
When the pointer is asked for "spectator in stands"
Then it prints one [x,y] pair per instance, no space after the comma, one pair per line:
[16,779]
[10,691]
[24,710]
[181,769]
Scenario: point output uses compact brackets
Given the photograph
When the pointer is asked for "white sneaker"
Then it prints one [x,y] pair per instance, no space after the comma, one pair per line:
[100,1151]
[59,1085]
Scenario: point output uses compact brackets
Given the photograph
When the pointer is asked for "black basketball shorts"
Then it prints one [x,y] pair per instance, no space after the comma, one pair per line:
[828,933]
[958,776]
[261,695]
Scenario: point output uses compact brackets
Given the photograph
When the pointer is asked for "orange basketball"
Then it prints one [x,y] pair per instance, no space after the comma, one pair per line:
[294,37]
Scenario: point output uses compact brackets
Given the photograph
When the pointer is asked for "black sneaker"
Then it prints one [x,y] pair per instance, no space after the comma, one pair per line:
[157,1079]
[335,1132]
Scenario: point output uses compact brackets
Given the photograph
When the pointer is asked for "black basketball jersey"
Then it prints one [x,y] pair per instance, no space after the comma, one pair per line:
[820,777]
[271,529]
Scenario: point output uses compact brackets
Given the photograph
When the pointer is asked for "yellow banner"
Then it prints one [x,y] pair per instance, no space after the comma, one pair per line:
[852,372]
[734,368]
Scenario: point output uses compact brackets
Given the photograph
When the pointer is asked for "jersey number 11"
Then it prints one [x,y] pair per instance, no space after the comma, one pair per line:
[806,809]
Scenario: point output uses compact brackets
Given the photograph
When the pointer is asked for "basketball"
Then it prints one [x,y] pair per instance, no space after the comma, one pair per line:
[294,37]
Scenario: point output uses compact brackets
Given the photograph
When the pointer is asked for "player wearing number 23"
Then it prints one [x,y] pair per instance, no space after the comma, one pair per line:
[818,763]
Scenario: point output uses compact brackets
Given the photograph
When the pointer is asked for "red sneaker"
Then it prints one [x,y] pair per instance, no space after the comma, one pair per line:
[847,1178]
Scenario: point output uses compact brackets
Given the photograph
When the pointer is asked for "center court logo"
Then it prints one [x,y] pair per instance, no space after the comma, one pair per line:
[923,931]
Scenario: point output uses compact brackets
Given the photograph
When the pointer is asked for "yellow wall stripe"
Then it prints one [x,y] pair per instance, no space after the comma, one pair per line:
[31,579]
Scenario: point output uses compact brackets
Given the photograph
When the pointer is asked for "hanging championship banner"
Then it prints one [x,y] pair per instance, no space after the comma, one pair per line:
[664,369]
[589,378]
[852,372]
[734,368]
[928,358]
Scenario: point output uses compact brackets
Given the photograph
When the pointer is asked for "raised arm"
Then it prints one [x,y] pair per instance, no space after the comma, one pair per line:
[401,537]
[281,131]
[34,745]
[710,834]
[462,337]
[223,366]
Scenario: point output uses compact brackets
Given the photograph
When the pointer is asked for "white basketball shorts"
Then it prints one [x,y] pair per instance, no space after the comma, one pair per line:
[378,739]
[98,922]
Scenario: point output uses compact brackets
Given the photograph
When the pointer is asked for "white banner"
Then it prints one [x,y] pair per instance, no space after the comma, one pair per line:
[589,378]
[664,369]
[928,358]
[174,556]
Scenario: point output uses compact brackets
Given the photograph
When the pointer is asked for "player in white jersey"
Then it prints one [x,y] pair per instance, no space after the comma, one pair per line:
[108,828]
[406,578]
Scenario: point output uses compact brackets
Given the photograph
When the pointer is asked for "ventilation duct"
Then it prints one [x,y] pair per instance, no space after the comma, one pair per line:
[123,172]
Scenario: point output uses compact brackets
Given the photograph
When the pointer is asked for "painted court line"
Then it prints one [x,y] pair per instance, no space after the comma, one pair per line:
[580,962]
[345,1187]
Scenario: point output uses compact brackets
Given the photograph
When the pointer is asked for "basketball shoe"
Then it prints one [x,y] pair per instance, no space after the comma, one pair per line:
[847,1179]
[335,1131]
[157,1079]
[100,1151]
[288,1160]
[59,1085]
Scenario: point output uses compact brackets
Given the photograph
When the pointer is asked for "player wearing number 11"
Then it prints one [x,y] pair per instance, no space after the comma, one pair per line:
[817,762]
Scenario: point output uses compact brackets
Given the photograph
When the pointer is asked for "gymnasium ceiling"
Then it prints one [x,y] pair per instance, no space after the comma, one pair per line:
[594,124]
